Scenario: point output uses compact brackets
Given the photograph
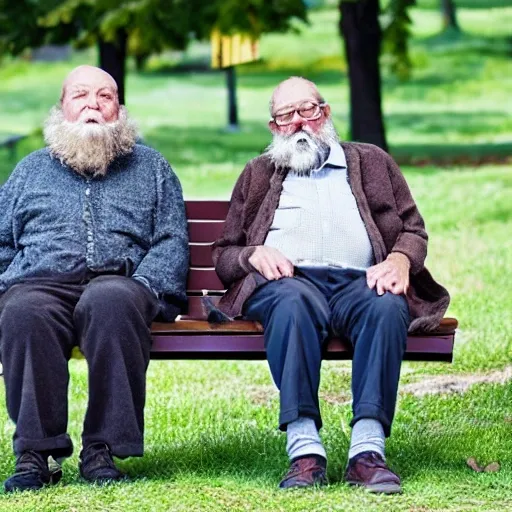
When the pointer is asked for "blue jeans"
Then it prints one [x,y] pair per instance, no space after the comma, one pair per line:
[299,313]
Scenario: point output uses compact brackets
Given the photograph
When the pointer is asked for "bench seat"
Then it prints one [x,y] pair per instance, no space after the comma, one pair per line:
[242,339]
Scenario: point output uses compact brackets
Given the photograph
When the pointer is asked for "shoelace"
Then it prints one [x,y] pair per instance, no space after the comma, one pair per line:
[30,461]
[100,456]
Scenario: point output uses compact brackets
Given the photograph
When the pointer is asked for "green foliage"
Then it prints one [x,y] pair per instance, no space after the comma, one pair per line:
[397,31]
[20,27]
[151,26]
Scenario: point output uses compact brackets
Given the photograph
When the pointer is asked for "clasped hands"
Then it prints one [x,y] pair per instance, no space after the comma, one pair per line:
[390,275]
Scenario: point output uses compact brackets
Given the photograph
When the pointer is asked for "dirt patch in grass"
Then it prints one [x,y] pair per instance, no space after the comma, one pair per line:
[340,398]
[261,395]
[443,384]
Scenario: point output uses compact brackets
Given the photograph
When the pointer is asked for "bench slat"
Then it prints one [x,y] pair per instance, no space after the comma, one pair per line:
[204,231]
[201,255]
[447,326]
[207,210]
[203,279]
[247,346]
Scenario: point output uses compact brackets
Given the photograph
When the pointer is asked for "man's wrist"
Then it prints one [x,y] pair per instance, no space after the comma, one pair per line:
[400,257]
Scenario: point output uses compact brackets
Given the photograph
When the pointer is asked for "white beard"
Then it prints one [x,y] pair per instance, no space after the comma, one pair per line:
[303,151]
[89,148]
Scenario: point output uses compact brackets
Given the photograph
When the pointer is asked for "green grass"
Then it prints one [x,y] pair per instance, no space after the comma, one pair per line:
[211,434]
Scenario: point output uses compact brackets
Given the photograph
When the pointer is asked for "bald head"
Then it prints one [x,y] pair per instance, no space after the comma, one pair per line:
[292,91]
[89,94]
[85,75]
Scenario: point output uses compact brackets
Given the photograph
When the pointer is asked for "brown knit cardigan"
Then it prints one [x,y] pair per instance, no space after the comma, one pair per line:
[388,211]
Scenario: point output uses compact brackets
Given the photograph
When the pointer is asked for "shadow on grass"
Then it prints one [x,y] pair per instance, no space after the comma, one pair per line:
[432,434]
[186,147]
[253,454]
[192,151]
[452,41]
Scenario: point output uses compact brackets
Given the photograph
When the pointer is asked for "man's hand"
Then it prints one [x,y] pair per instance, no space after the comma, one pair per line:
[271,263]
[391,275]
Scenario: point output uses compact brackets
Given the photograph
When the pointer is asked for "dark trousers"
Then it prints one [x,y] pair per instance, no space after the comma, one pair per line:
[299,313]
[109,318]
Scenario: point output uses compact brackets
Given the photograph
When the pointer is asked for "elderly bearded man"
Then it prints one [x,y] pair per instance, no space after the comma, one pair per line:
[325,237]
[93,245]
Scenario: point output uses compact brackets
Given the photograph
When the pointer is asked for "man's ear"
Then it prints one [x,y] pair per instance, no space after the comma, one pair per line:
[272,125]
[327,111]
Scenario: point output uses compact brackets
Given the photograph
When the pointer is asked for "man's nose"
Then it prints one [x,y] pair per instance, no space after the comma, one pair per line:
[297,122]
[92,101]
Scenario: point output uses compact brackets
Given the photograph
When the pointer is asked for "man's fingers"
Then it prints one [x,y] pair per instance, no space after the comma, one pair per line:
[286,268]
[375,276]
[380,287]
[266,270]
[397,289]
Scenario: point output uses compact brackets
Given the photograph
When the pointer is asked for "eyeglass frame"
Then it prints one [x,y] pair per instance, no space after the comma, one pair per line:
[296,110]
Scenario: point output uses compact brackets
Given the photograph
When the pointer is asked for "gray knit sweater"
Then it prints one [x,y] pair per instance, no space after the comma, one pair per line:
[56,224]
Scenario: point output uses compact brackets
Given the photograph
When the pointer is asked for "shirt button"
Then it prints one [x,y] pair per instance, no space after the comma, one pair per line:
[87,191]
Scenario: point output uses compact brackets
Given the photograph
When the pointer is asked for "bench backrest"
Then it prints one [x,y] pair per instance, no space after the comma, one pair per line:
[205,224]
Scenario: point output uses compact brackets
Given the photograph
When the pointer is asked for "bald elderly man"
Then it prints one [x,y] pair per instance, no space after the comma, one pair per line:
[93,246]
[323,238]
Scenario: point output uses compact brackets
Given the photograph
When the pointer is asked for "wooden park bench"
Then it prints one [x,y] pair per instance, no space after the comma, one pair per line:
[192,337]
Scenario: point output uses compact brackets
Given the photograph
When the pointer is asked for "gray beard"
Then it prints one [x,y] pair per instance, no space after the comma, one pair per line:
[89,148]
[303,151]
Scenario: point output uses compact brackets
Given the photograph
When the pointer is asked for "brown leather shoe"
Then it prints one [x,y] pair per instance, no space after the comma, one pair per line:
[305,472]
[368,470]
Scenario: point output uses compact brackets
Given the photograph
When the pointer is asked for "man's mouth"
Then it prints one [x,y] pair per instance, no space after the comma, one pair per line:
[91,121]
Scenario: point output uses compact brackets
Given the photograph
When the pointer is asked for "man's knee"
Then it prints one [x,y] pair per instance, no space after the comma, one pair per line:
[297,300]
[108,297]
[391,308]
[24,308]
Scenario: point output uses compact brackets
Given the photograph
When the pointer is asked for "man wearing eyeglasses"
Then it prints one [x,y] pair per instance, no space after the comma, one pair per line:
[323,238]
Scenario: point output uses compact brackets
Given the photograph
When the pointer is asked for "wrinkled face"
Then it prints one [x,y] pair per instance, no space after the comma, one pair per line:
[90,96]
[296,107]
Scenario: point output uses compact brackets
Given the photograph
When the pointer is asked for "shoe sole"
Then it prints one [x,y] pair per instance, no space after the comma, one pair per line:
[378,488]
[322,483]
[55,477]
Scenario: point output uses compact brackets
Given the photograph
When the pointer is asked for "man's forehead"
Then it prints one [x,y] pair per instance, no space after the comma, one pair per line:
[89,76]
[293,93]
[84,85]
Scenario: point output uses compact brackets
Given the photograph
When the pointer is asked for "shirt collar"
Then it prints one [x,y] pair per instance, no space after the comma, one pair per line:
[336,158]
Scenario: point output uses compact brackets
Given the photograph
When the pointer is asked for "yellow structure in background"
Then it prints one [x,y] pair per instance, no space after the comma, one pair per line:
[233,50]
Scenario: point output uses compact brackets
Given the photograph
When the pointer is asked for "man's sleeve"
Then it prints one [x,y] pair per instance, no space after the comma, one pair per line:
[8,196]
[165,265]
[412,241]
[230,253]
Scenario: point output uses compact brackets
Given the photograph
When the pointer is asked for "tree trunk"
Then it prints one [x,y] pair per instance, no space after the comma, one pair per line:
[362,35]
[232,101]
[113,58]
[140,62]
[449,15]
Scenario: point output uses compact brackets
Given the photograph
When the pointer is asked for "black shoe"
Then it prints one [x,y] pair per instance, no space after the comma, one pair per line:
[97,465]
[32,473]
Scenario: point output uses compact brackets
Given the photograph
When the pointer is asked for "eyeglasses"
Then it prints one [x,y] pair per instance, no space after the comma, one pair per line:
[307,110]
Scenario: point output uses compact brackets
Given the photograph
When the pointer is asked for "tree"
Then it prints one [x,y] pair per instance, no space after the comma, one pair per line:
[143,27]
[20,28]
[361,32]
[449,15]
[119,29]
[364,40]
